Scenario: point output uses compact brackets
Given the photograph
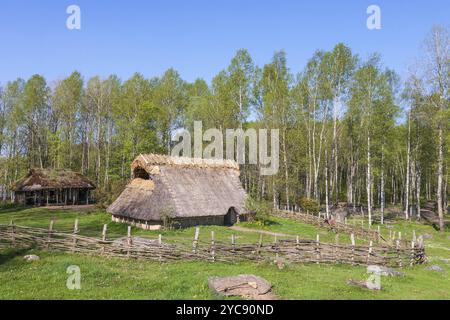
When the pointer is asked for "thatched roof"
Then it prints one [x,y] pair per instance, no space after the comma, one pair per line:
[149,161]
[40,179]
[180,187]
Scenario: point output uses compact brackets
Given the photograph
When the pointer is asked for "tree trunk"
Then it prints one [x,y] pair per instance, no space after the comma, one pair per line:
[368,182]
[408,169]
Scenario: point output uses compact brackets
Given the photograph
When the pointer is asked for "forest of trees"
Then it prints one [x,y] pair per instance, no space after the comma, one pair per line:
[350,129]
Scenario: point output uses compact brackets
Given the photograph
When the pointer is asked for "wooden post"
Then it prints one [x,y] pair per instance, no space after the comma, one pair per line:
[75,232]
[50,231]
[160,247]
[414,239]
[260,242]
[105,227]
[399,236]
[318,248]
[412,253]
[399,258]
[213,253]
[233,242]
[195,241]
[13,234]
[352,238]
[129,241]
[369,252]
[345,220]
[336,249]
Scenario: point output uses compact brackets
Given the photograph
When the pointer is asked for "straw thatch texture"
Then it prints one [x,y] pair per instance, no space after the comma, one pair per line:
[148,161]
[182,188]
[42,179]
[142,200]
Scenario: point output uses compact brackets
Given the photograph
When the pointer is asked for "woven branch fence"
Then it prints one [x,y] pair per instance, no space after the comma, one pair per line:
[295,251]
[359,232]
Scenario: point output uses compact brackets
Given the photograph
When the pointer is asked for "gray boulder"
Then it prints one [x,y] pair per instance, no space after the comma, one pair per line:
[384,271]
[31,257]
[435,268]
[363,284]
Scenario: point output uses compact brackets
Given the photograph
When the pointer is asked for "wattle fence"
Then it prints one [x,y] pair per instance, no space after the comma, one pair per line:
[291,251]
[318,221]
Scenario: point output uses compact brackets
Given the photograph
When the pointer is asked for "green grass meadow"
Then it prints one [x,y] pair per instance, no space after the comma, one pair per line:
[113,278]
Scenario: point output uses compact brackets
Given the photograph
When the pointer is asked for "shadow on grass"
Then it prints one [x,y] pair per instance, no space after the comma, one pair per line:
[10,254]
[11,207]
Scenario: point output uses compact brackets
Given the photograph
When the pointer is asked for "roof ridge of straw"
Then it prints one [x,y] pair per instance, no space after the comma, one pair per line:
[157,159]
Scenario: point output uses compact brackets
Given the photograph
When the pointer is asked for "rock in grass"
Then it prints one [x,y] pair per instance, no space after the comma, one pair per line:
[384,271]
[427,236]
[31,257]
[244,285]
[435,268]
[364,284]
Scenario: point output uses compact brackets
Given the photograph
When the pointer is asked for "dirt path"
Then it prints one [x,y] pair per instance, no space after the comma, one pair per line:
[278,234]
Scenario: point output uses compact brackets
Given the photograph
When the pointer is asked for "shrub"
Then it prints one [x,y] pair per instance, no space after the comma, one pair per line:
[309,205]
[262,210]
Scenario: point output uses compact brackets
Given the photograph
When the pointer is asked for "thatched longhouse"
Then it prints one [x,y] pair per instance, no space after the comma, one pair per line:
[43,187]
[181,192]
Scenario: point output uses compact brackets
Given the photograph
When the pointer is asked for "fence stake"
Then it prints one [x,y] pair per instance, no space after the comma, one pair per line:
[50,230]
[336,249]
[129,241]
[105,227]
[399,258]
[318,248]
[160,247]
[212,247]
[414,236]
[13,234]
[195,241]
[412,253]
[260,243]
[74,235]
[233,241]
[369,252]
[352,238]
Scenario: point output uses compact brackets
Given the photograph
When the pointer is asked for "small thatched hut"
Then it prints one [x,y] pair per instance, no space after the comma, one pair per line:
[181,192]
[43,187]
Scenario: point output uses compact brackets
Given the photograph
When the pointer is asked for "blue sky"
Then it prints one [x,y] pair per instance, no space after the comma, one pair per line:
[199,37]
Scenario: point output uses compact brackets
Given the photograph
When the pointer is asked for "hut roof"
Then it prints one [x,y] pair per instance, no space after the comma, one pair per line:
[180,187]
[39,179]
[147,161]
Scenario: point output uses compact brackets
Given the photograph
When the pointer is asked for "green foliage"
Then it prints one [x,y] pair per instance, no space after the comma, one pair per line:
[309,205]
[262,209]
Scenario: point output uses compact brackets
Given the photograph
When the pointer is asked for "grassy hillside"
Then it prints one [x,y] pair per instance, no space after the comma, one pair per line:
[104,278]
